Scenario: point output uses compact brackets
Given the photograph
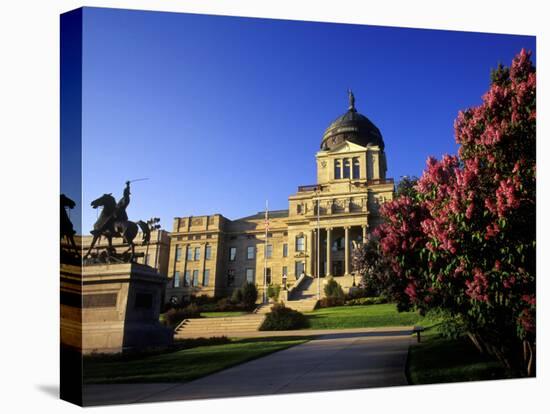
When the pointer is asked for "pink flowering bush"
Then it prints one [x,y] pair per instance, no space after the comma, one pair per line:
[465,242]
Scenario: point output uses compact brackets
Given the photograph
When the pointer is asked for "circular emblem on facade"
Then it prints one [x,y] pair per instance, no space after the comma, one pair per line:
[323,164]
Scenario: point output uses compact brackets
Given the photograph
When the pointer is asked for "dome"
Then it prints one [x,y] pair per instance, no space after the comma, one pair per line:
[353,127]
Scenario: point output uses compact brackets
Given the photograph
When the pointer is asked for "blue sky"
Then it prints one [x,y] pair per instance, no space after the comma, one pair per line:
[222,113]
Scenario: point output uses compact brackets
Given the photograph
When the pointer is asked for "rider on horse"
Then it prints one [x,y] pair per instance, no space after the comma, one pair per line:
[118,215]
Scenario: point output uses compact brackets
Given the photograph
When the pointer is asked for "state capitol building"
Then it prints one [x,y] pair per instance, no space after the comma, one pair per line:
[212,255]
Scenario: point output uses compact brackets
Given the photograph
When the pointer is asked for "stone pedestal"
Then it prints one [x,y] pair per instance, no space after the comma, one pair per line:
[112,307]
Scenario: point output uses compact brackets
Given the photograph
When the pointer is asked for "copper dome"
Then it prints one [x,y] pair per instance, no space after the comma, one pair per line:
[351,126]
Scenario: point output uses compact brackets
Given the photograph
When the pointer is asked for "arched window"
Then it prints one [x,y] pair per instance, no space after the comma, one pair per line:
[346,168]
[337,169]
[356,169]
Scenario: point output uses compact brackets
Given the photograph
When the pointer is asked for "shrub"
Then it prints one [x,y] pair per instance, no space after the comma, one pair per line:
[333,289]
[202,300]
[273,291]
[328,302]
[175,315]
[282,318]
[210,307]
[376,300]
[249,295]
[224,304]
[237,296]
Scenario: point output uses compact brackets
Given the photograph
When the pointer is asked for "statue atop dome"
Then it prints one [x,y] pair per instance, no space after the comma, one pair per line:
[351,98]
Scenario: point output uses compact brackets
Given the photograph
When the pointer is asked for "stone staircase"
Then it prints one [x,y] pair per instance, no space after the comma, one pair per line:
[263,309]
[302,305]
[230,326]
[304,297]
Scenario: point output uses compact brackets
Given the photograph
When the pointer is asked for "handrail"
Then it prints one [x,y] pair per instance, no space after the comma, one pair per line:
[297,284]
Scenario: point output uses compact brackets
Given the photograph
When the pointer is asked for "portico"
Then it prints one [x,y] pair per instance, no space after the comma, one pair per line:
[336,248]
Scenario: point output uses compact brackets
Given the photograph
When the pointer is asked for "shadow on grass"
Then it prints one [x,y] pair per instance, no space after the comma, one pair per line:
[441,360]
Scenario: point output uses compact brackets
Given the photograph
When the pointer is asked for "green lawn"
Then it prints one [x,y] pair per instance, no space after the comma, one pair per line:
[367,316]
[221,314]
[183,365]
[437,359]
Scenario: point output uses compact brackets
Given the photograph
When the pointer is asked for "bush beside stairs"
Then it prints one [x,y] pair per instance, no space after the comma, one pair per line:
[302,299]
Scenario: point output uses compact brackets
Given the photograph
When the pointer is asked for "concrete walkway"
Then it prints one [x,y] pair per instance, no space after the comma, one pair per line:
[339,360]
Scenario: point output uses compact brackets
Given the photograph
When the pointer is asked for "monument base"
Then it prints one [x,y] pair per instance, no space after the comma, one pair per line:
[107,308]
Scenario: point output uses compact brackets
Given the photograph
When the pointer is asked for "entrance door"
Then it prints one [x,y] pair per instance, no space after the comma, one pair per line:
[337,268]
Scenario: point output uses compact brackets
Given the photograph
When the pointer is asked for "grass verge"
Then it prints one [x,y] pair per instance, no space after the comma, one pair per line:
[368,316]
[183,365]
[438,360]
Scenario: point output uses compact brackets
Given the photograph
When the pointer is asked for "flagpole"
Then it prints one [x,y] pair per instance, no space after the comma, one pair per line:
[265,251]
[318,246]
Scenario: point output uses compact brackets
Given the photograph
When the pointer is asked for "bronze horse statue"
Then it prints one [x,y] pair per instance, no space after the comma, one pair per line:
[113,222]
[66,226]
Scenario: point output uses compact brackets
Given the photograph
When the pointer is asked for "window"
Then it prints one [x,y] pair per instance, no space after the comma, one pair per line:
[189,253]
[250,275]
[232,254]
[346,168]
[208,252]
[285,250]
[268,275]
[250,252]
[197,253]
[285,271]
[206,277]
[176,279]
[356,169]
[299,269]
[338,244]
[195,278]
[178,253]
[269,251]
[186,278]
[337,169]
[300,243]
[299,209]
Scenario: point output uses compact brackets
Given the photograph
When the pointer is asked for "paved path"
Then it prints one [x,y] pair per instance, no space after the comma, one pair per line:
[335,361]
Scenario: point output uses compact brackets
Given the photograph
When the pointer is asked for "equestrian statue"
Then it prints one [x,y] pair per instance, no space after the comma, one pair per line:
[66,226]
[113,222]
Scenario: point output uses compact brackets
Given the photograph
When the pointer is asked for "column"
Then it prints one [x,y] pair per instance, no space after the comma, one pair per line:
[364,233]
[311,247]
[329,251]
[203,267]
[346,251]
